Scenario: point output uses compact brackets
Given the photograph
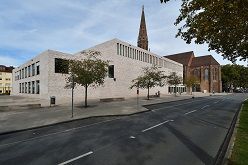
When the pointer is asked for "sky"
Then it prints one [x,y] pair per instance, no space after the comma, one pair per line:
[29,27]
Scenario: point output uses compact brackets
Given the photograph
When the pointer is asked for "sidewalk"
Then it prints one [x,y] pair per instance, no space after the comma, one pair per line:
[31,118]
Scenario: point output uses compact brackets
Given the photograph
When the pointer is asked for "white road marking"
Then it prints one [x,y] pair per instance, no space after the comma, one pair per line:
[156,125]
[132,137]
[205,106]
[76,158]
[189,112]
[172,106]
[55,133]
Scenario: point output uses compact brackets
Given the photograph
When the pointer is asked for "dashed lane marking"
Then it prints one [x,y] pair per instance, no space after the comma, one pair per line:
[189,112]
[76,158]
[205,106]
[156,125]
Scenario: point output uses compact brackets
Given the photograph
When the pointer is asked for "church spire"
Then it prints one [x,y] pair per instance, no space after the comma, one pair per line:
[143,39]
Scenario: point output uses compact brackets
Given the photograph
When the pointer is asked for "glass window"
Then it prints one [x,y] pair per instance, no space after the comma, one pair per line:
[206,74]
[29,87]
[20,87]
[26,84]
[120,49]
[33,69]
[33,87]
[29,70]
[123,51]
[131,53]
[196,73]
[111,71]
[126,51]
[22,73]
[26,72]
[216,73]
[37,68]
[117,48]
[135,55]
[61,65]
[37,86]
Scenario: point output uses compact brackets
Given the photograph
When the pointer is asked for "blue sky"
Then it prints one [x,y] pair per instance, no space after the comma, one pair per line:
[29,27]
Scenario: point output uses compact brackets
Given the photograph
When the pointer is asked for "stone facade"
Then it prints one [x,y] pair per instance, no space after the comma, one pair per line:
[5,79]
[41,81]
[205,68]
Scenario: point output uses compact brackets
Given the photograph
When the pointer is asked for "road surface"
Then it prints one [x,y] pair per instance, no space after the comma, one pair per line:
[181,132]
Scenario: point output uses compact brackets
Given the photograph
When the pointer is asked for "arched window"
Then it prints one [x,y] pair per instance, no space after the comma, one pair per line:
[196,73]
[206,74]
[216,73]
[213,73]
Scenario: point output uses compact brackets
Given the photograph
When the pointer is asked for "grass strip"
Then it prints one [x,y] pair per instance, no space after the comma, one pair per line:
[240,150]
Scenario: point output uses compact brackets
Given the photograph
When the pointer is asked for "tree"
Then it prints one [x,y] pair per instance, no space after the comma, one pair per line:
[222,24]
[234,76]
[189,82]
[88,72]
[151,77]
[174,79]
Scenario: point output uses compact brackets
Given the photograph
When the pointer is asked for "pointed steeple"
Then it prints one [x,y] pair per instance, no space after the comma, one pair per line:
[142,38]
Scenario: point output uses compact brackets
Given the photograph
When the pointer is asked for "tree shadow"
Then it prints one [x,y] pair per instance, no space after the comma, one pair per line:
[200,153]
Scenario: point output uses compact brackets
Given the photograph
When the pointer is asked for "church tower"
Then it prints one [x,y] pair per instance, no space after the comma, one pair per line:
[143,39]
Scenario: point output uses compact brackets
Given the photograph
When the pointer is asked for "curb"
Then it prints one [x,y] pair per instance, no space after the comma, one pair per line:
[232,142]
[167,102]
[71,120]
[89,117]
[220,157]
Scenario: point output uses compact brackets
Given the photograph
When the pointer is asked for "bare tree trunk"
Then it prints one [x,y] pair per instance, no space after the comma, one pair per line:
[148,97]
[189,90]
[175,90]
[85,98]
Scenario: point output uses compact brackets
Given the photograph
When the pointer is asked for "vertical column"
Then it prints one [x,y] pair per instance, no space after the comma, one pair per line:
[219,80]
[210,78]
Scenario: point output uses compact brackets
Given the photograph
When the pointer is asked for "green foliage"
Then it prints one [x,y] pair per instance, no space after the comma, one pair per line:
[174,79]
[89,71]
[190,81]
[151,77]
[234,75]
[222,24]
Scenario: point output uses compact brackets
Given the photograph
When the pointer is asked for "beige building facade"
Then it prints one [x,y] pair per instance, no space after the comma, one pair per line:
[40,77]
[5,79]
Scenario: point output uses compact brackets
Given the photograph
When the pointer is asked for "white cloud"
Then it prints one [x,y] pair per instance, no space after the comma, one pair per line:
[71,26]
[9,61]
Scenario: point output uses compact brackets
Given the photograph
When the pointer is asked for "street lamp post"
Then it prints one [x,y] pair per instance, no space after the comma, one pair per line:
[194,89]
[72,89]
[138,97]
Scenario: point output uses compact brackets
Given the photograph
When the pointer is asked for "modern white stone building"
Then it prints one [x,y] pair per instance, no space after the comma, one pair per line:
[40,77]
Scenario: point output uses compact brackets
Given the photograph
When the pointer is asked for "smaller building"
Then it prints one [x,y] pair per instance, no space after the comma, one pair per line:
[5,79]
[205,68]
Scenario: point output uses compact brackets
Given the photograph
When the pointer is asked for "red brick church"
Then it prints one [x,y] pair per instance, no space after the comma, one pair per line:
[205,68]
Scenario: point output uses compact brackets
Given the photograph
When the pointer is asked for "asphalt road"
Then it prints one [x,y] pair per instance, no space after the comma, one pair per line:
[181,132]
